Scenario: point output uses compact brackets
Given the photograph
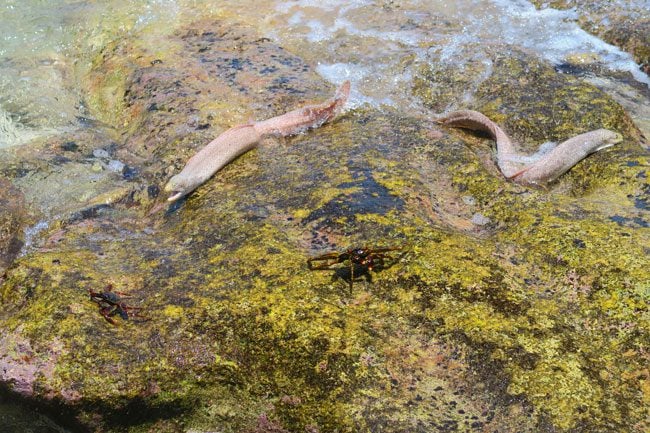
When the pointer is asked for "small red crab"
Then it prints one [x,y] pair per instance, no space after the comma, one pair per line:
[360,261]
[111,303]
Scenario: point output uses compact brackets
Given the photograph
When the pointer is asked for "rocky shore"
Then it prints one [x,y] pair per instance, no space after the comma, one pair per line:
[507,308]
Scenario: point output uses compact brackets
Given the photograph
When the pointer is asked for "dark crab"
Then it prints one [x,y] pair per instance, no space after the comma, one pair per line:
[355,261]
[112,303]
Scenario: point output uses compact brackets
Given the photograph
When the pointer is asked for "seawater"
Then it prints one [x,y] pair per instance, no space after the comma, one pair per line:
[44,45]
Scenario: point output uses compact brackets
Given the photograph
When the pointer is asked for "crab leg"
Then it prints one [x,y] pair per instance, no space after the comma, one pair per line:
[330,260]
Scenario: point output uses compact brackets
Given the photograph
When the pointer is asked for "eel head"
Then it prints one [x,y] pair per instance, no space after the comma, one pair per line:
[608,138]
[181,185]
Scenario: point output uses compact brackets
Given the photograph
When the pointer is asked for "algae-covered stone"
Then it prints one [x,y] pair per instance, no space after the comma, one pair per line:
[13,219]
[534,320]
[521,92]
[534,104]
[557,356]
[238,323]
[443,84]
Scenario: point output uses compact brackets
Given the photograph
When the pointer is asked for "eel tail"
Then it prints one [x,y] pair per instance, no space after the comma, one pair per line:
[305,118]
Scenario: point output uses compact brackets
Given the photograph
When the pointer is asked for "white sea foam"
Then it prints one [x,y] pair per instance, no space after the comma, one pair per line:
[552,33]
[337,73]
[376,43]
[405,37]
[12,133]
[155,10]
[284,7]
[30,234]
[8,130]
[320,30]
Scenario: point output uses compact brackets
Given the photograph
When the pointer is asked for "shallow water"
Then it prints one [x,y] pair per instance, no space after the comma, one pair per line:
[46,45]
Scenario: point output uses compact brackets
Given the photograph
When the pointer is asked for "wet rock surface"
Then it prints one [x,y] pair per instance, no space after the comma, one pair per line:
[507,309]
[570,106]
[13,219]
[75,165]
[624,24]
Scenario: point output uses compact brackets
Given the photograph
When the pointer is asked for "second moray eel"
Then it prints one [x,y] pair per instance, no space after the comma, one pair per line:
[549,166]
[242,138]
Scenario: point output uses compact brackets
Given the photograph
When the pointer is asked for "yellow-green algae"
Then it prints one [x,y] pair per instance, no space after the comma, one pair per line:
[13,217]
[595,269]
[236,313]
[564,113]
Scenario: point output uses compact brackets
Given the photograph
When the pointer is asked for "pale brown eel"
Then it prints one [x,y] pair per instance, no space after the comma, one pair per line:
[240,139]
[549,166]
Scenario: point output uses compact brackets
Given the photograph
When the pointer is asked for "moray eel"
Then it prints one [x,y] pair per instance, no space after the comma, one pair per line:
[239,139]
[547,167]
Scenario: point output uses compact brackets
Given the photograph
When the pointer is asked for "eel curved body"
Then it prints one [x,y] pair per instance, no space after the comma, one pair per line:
[548,167]
[240,139]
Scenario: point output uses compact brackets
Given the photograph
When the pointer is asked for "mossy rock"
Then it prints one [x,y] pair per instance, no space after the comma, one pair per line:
[445,84]
[240,331]
[534,104]
[234,312]
[531,318]
[13,219]
[524,94]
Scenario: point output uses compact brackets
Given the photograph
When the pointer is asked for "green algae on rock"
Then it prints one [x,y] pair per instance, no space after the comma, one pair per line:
[240,324]
[535,321]
[561,106]
[551,245]
[236,313]
[13,219]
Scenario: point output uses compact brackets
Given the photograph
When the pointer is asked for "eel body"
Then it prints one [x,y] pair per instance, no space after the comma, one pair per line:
[240,139]
[548,167]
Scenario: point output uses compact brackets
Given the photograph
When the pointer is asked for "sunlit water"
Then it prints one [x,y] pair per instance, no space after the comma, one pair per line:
[45,45]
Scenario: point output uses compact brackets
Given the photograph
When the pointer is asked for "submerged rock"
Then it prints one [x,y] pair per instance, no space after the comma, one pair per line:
[510,309]
[624,24]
